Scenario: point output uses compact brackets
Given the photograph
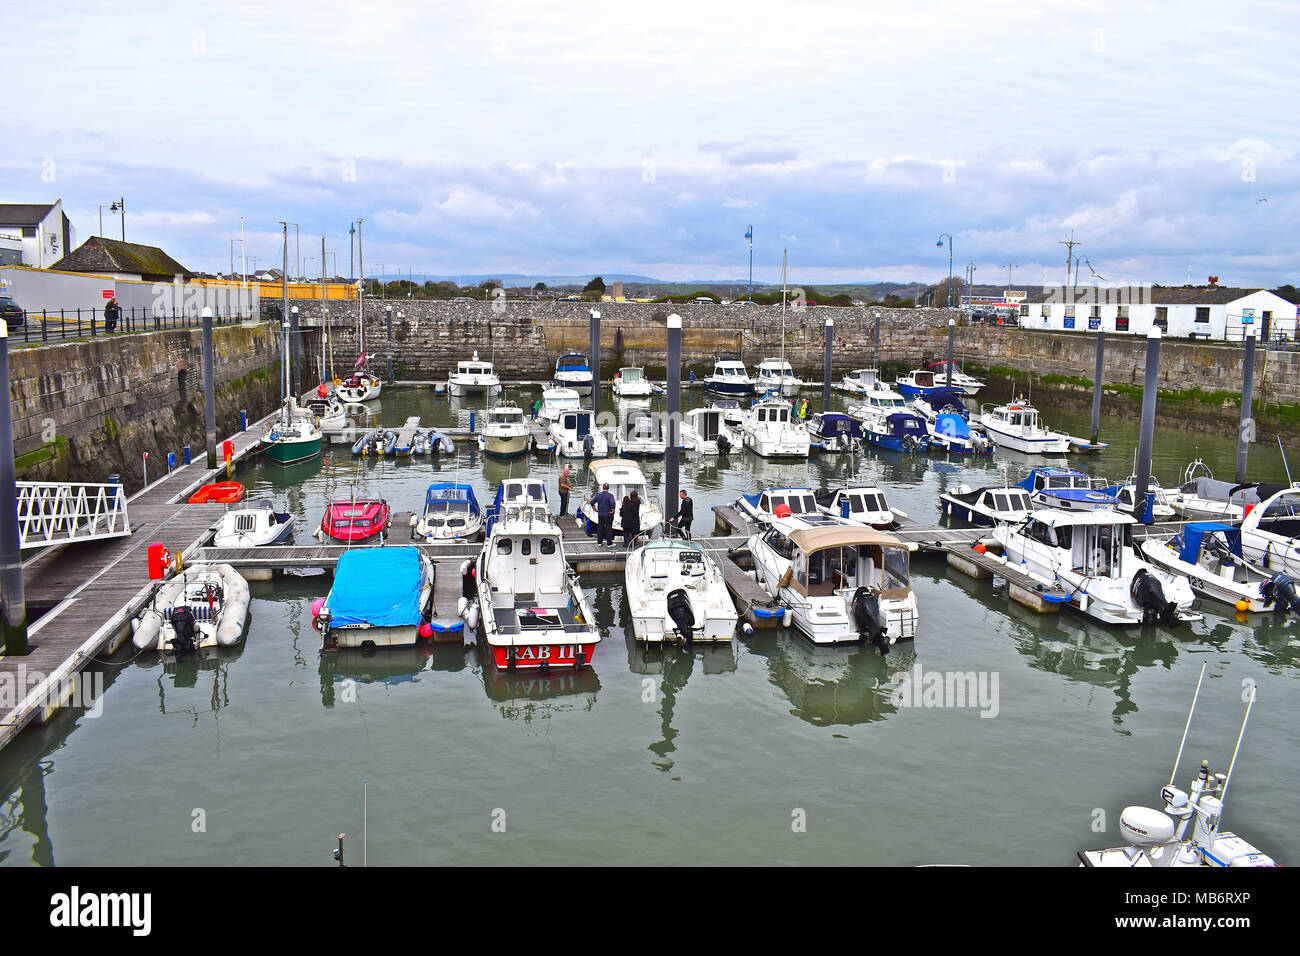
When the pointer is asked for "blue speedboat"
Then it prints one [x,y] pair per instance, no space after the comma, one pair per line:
[919,381]
[729,378]
[834,431]
[951,432]
[1066,489]
[899,431]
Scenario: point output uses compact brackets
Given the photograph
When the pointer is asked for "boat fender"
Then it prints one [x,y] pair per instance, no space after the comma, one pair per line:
[787,617]
[785,578]
[747,629]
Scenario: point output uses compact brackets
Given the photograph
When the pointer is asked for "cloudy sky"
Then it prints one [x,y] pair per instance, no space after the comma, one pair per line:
[585,137]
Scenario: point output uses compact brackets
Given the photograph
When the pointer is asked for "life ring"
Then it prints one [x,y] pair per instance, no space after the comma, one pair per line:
[338,382]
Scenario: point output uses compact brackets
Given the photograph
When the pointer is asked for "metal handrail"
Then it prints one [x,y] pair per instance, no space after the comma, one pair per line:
[52,512]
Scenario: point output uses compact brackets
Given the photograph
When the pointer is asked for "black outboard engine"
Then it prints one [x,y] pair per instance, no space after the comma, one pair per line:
[1279,590]
[679,609]
[1149,596]
[588,445]
[724,446]
[184,630]
[468,584]
[865,611]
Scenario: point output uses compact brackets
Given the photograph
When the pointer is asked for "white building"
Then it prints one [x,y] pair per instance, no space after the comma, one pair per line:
[34,234]
[1183,312]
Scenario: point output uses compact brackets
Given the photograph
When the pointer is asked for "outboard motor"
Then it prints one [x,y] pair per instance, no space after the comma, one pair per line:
[679,609]
[1149,596]
[588,445]
[865,612]
[184,630]
[724,446]
[1279,590]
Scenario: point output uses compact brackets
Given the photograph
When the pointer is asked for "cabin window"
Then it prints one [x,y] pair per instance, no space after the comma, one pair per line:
[765,505]
[505,546]
[547,545]
[526,546]
[245,522]
[999,502]
[1037,531]
[801,570]
[855,504]
[895,575]
[535,491]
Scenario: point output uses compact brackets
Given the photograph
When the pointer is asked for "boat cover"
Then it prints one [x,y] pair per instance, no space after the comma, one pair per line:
[1191,537]
[901,424]
[945,398]
[377,586]
[439,495]
[951,426]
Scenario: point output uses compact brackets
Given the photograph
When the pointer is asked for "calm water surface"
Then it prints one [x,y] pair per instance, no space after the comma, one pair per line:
[664,758]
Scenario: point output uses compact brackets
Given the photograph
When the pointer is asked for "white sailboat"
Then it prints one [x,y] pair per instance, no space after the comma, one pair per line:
[361,385]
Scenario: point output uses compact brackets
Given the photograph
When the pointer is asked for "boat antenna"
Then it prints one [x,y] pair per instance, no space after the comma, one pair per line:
[1284,464]
[1226,783]
[1179,758]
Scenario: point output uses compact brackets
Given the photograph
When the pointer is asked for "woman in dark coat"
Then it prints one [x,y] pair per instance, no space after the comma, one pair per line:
[630,517]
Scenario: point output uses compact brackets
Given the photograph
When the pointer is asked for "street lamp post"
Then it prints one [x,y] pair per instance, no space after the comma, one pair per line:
[942,237]
[749,234]
[1009,266]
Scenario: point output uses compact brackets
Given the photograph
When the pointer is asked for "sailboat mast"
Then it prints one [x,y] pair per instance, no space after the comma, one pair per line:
[284,327]
[783,282]
[324,319]
[361,297]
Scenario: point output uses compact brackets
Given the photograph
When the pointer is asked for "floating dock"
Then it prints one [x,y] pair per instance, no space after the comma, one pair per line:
[406,437]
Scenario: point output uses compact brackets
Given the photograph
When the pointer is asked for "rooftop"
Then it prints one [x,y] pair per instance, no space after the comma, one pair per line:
[98,254]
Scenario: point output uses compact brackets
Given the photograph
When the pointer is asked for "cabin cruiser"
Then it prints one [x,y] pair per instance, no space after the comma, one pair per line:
[572,371]
[1161,838]
[898,431]
[840,583]
[859,505]
[675,588]
[1017,426]
[919,381]
[1208,554]
[574,434]
[451,513]
[473,378]
[987,506]
[354,519]
[331,414]
[1270,532]
[951,433]
[775,376]
[1125,494]
[529,607]
[1066,489]
[729,378]
[763,506]
[631,382]
[861,382]
[732,414]
[556,401]
[706,432]
[505,432]
[960,380]
[204,606]
[514,491]
[381,597]
[623,478]
[879,402]
[1090,555]
[834,431]
[254,524]
[769,431]
[640,432]
[1201,497]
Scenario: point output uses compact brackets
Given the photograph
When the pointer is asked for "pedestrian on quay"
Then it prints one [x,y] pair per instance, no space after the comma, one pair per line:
[566,488]
[112,312]
[684,517]
[630,517]
[604,503]
[537,407]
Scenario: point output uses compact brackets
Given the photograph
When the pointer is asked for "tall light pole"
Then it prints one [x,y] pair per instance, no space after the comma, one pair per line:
[942,237]
[749,234]
[119,207]
[970,281]
[1009,266]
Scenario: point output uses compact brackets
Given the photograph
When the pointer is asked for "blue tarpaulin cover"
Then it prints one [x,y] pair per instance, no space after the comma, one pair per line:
[1191,537]
[377,586]
[951,426]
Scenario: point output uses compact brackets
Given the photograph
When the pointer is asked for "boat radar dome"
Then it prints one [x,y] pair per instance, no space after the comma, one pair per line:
[1143,826]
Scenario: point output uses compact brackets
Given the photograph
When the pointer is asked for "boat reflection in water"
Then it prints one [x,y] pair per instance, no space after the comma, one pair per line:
[533,695]
[184,673]
[831,686]
[391,666]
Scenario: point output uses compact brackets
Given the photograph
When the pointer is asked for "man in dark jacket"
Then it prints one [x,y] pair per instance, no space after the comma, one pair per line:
[603,502]
[112,312]
[685,515]
[629,517]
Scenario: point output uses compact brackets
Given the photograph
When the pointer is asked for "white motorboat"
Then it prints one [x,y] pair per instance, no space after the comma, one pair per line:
[529,608]
[1208,554]
[254,524]
[1123,497]
[1270,532]
[861,505]
[834,432]
[730,378]
[451,513]
[840,583]
[1066,489]
[505,432]
[1161,838]
[630,382]
[960,380]
[706,432]
[640,433]
[556,401]
[1090,555]
[572,371]
[763,506]
[332,415]
[1201,497]
[676,588]
[775,376]
[623,478]
[574,434]
[474,377]
[1017,426]
[770,431]
[732,414]
[987,506]
[381,597]
[877,405]
[204,606]
[861,382]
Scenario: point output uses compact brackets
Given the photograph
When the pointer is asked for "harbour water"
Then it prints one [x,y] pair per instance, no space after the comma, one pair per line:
[767,751]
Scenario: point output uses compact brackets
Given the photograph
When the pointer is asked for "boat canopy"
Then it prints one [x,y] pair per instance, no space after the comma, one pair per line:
[616,471]
[445,496]
[572,362]
[944,397]
[377,586]
[905,423]
[1191,537]
[825,424]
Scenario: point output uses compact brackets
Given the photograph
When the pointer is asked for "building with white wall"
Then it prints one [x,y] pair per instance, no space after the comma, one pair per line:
[1217,313]
[35,234]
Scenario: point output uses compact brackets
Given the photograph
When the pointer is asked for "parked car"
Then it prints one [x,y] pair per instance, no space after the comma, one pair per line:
[10,312]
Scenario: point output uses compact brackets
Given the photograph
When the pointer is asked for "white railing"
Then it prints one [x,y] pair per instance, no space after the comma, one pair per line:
[54,512]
